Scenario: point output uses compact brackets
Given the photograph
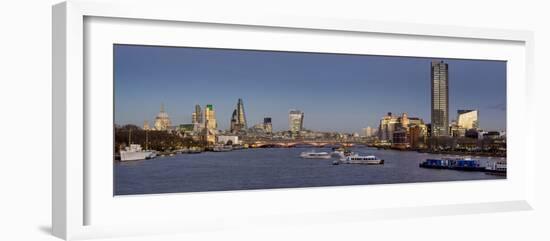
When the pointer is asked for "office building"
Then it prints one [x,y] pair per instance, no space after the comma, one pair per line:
[210,125]
[296,121]
[468,119]
[387,126]
[268,127]
[197,115]
[440,98]
[210,117]
[238,118]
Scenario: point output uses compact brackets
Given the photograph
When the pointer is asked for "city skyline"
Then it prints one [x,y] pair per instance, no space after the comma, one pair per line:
[342,93]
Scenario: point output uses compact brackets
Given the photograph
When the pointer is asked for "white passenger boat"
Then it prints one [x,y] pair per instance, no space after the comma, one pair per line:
[315,155]
[134,152]
[496,168]
[358,159]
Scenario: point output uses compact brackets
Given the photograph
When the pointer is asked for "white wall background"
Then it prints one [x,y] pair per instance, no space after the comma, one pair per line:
[25,119]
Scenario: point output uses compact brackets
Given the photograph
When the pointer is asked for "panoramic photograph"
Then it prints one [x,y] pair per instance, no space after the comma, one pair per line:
[190,119]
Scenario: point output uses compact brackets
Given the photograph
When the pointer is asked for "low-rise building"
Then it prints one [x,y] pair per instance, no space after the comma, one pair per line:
[229,140]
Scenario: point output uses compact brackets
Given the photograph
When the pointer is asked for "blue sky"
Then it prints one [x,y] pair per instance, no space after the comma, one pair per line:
[336,92]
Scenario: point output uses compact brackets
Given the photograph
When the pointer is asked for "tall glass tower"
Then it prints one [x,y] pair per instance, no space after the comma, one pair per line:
[295,121]
[268,127]
[197,115]
[241,118]
[238,118]
[440,98]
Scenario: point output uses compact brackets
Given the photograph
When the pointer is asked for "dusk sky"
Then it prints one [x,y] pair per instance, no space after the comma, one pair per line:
[337,92]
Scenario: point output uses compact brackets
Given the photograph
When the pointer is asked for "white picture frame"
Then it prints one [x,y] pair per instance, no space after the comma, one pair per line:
[75,191]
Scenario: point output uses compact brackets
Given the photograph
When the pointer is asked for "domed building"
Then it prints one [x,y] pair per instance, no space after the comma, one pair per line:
[162,121]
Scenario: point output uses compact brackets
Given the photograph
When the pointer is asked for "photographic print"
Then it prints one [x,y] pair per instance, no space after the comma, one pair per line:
[190,119]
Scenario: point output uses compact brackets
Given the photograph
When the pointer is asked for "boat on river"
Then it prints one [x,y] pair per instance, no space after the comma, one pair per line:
[496,168]
[315,155]
[134,152]
[358,159]
[465,164]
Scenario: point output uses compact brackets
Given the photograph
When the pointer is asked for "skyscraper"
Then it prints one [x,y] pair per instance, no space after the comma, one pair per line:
[197,115]
[162,121]
[210,124]
[296,121]
[238,118]
[210,117]
[268,128]
[440,98]
[241,118]
[233,123]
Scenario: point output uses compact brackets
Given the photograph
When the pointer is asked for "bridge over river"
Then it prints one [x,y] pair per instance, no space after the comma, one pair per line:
[302,143]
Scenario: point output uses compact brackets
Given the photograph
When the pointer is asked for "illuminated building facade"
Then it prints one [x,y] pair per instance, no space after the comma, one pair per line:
[211,126]
[468,119]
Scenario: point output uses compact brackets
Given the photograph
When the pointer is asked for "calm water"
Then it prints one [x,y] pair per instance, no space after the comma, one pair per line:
[274,168]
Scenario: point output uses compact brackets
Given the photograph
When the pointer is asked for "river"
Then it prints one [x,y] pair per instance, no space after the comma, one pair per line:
[265,168]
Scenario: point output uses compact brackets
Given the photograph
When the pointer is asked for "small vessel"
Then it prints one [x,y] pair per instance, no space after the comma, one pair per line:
[435,164]
[465,164]
[315,155]
[496,168]
[134,152]
[358,159]
[221,148]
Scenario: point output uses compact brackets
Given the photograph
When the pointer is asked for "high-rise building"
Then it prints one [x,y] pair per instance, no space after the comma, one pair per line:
[468,119]
[440,98]
[197,115]
[238,118]
[162,121]
[210,124]
[268,127]
[233,123]
[210,117]
[241,118]
[295,121]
